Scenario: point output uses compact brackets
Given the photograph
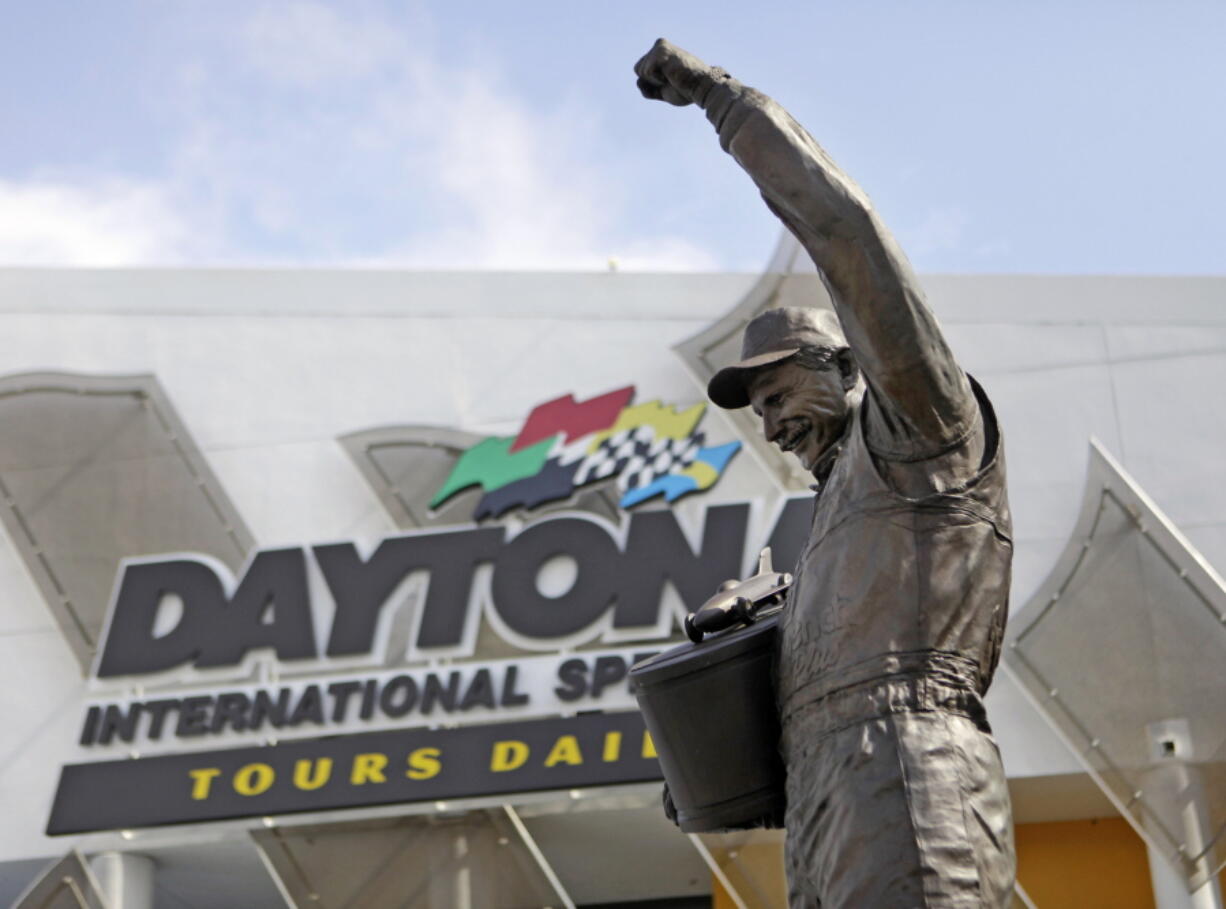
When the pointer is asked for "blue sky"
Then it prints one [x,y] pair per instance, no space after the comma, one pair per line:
[1037,137]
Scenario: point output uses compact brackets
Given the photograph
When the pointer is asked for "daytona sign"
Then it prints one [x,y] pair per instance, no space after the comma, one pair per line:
[620,575]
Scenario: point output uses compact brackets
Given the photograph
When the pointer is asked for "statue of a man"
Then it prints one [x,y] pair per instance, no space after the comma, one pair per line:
[892,629]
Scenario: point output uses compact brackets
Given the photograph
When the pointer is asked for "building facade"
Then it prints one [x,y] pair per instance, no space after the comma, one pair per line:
[320,588]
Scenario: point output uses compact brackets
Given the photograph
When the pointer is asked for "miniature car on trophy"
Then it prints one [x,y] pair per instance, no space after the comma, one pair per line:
[739,601]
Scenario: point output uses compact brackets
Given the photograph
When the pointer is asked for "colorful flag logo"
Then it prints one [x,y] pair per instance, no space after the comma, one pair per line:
[648,450]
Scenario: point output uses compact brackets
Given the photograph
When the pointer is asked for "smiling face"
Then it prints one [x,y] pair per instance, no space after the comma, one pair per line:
[804,411]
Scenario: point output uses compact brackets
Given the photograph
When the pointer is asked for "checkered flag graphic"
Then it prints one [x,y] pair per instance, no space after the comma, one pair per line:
[636,457]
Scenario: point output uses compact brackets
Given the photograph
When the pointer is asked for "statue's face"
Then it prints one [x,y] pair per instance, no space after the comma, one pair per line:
[804,411]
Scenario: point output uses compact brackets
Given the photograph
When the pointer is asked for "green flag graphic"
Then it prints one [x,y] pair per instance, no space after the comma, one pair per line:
[491,465]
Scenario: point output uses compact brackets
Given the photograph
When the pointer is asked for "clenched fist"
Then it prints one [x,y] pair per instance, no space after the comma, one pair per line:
[667,73]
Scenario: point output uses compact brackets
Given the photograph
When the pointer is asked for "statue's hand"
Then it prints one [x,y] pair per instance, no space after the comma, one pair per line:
[670,809]
[667,73]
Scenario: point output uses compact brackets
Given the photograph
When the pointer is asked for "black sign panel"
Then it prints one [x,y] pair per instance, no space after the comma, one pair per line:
[374,768]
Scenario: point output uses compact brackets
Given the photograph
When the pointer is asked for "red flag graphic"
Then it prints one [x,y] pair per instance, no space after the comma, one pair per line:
[566,415]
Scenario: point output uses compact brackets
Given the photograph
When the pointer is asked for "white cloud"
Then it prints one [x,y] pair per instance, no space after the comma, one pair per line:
[948,230]
[108,223]
[524,187]
[516,187]
[334,136]
[308,43]
[942,230]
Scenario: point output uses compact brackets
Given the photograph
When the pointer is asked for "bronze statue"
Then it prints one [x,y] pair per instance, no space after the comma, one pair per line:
[892,629]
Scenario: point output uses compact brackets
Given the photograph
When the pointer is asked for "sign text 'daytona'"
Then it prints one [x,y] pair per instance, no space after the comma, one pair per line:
[620,578]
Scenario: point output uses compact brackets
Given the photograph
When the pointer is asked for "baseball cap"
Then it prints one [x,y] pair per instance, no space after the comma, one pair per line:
[771,337]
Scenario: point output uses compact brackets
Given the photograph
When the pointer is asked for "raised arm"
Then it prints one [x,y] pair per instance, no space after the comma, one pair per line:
[924,402]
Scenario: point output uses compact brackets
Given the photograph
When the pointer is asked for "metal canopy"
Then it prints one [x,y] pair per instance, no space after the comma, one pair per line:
[1123,649]
[66,883]
[97,468]
[466,859]
[566,849]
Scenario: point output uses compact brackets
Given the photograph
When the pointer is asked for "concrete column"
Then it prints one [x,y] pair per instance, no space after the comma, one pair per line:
[1176,793]
[126,879]
[451,880]
[463,873]
[1171,889]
